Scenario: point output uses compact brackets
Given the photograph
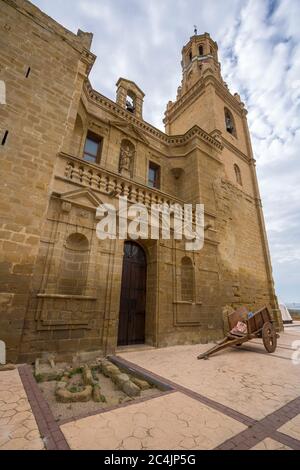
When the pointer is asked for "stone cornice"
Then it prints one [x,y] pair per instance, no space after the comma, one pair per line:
[173,140]
[170,117]
[196,38]
[195,131]
[235,150]
[186,98]
[99,99]
[199,88]
[131,83]
[88,58]
[129,130]
[225,94]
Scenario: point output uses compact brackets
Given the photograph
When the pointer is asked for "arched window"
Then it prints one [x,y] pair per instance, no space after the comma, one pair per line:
[74,265]
[190,56]
[130,102]
[187,280]
[201,50]
[229,122]
[238,174]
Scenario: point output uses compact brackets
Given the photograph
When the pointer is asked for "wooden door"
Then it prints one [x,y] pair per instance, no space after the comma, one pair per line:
[133,296]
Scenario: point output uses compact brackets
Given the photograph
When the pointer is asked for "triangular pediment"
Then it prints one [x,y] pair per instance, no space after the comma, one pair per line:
[82,197]
[130,84]
[130,130]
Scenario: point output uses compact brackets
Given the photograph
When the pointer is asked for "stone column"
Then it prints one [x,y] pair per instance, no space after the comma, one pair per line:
[112,304]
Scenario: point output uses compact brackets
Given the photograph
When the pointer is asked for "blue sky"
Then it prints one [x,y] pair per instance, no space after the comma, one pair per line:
[259,48]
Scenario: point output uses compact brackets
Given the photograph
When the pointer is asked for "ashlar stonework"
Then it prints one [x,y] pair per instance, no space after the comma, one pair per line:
[66,148]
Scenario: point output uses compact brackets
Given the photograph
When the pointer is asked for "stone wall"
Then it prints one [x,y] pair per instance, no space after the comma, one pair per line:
[40,62]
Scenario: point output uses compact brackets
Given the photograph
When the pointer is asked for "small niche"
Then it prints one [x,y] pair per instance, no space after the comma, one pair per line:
[4,138]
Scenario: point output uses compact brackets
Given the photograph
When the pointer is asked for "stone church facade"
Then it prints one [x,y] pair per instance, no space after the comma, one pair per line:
[65,149]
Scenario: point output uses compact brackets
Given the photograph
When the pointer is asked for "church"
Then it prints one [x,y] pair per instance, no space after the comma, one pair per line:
[66,149]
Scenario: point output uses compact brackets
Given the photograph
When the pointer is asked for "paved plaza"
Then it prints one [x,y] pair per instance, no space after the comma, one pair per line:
[18,427]
[241,398]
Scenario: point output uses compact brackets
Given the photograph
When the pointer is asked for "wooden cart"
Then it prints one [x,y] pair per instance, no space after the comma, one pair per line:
[260,325]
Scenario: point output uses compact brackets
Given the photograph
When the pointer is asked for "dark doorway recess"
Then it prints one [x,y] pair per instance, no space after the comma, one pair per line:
[133,296]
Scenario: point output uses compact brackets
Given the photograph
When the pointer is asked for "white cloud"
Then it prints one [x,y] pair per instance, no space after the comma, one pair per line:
[259,46]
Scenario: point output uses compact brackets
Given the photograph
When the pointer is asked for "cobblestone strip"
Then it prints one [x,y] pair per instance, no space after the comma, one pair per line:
[49,429]
[267,427]
[287,440]
[173,385]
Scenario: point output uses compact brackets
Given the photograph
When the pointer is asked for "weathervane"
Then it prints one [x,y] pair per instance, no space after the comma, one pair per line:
[195,30]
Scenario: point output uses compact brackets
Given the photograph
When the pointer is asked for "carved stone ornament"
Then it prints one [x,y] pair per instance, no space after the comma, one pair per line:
[66,206]
[127,153]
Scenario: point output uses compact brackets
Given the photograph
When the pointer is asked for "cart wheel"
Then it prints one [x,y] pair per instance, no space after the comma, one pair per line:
[269,337]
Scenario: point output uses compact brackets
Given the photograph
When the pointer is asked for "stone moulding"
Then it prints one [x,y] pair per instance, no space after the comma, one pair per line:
[198,89]
[187,313]
[56,324]
[63,296]
[96,97]
[88,58]
[231,147]
[71,312]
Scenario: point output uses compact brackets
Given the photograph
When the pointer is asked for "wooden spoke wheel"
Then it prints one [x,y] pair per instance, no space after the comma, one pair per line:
[269,337]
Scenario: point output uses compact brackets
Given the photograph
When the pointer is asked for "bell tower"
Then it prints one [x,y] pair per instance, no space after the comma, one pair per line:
[130,97]
[203,98]
[198,55]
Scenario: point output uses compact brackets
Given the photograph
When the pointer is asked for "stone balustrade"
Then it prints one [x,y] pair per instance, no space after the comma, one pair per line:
[89,175]
[111,184]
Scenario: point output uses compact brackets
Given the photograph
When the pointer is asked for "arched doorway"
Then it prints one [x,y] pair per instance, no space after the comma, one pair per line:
[133,296]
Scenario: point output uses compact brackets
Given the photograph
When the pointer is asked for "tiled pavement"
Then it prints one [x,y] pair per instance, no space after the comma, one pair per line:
[174,421]
[18,427]
[238,399]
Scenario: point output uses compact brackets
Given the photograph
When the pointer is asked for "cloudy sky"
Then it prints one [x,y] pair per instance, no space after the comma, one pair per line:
[259,43]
